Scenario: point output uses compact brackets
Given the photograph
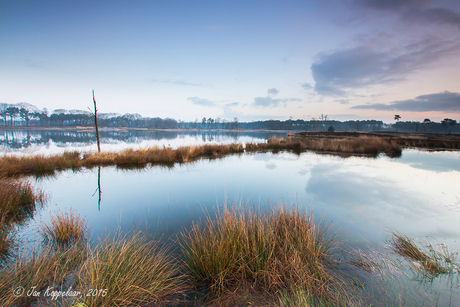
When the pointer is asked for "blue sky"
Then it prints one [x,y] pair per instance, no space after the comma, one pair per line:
[356,59]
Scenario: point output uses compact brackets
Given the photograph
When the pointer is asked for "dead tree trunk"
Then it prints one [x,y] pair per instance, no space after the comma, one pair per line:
[95,123]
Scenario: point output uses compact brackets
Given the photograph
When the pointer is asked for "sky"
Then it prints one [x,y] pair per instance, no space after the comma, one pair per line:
[254,60]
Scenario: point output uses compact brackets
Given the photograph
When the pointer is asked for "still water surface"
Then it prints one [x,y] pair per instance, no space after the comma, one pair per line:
[22,142]
[363,198]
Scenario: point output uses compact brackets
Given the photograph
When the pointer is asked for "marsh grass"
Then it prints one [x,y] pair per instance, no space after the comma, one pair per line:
[40,165]
[430,261]
[133,270]
[41,268]
[281,249]
[18,202]
[64,229]
[11,165]
[367,145]
[304,298]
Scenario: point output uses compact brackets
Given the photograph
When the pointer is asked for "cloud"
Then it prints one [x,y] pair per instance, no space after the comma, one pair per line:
[201,101]
[413,10]
[446,101]
[272,92]
[232,104]
[177,82]
[391,5]
[307,86]
[270,102]
[339,70]
[266,102]
[435,15]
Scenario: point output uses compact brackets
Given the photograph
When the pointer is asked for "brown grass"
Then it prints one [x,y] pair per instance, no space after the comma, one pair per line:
[132,271]
[282,249]
[367,145]
[18,201]
[65,229]
[11,165]
[46,267]
[431,262]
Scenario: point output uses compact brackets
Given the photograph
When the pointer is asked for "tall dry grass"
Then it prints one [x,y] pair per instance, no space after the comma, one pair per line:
[133,271]
[18,202]
[368,145]
[274,251]
[37,270]
[12,165]
[64,229]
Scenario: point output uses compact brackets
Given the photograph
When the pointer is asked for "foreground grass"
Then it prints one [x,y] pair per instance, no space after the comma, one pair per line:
[279,250]
[133,271]
[37,270]
[123,270]
[240,258]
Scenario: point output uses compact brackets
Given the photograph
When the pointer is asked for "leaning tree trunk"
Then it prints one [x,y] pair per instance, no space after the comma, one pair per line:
[95,123]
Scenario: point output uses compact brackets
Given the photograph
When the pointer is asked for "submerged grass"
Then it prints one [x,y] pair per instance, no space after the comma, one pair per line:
[431,262]
[65,229]
[132,271]
[281,249]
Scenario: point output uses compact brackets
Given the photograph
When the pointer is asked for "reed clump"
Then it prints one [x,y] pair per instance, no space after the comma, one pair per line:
[18,199]
[64,229]
[18,202]
[429,261]
[278,250]
[133,271]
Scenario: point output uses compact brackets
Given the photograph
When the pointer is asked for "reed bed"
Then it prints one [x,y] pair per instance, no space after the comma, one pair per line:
[368,145]
[64,229]
[11,165]
[274,251]
[132,271]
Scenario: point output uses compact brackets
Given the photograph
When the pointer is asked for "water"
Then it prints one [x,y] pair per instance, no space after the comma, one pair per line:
[24,142]
[363,199]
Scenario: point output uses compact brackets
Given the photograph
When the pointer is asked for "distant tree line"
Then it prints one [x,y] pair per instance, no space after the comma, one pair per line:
[18,115]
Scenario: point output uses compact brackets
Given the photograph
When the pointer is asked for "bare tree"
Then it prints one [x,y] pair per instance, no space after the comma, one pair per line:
[95,124]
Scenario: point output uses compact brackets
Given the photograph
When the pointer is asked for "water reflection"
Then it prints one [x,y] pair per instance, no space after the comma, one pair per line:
[364,198]
[57,141]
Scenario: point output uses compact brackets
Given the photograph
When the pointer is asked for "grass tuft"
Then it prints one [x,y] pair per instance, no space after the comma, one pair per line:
[281,249]
[65,229]
[134,272]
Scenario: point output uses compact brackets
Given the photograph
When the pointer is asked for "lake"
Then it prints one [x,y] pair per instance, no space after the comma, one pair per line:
[54,141]
[362,198]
